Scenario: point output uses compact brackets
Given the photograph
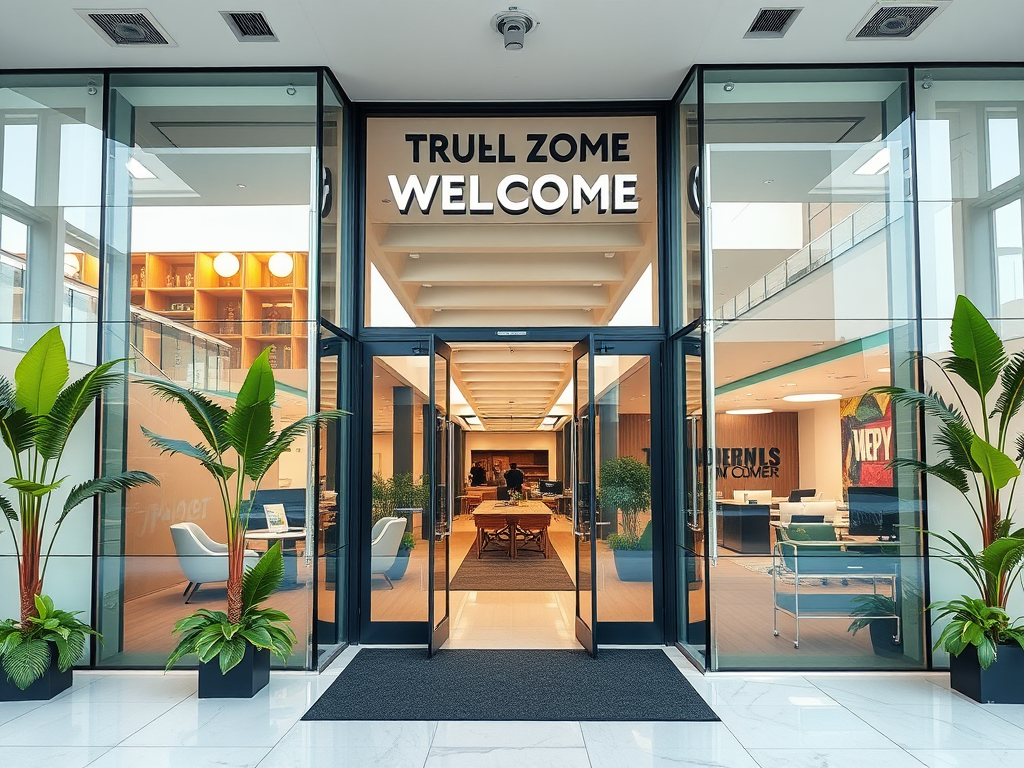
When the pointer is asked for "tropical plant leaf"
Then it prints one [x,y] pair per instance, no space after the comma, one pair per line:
[997,468]
[17,426]
[8,509]
[978,351]
[206,415]
[1020,447]
[42,373]
[231,654]
[259,386]
[69,407]
[33,488]
[119,482]
[261,580]
[200,453]
[944,470]
[1011,395]
[281,442]
[1001,556]
[26,662]
[249,430]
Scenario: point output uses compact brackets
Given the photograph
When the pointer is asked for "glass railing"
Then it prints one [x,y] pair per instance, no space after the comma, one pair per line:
[168,349]
[853,230]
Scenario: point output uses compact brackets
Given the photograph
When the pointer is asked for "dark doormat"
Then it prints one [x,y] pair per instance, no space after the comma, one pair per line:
[496,571]
[403,684]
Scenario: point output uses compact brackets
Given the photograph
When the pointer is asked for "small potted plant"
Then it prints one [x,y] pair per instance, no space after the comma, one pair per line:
[398,496]
[871,612]
[37,416]
[625,487]
[238,449]
[983,643]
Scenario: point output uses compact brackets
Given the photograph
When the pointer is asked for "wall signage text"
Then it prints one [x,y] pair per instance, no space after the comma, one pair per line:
[748,462]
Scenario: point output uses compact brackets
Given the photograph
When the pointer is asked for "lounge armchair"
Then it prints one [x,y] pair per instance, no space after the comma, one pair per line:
[203,560]
[811,551]
[822,511]
[384,547]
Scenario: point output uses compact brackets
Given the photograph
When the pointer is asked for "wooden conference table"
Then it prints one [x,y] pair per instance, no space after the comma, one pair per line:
[494,515]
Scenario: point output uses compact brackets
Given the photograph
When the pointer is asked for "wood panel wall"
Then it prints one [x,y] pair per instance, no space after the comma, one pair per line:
[634,435]
[766,431]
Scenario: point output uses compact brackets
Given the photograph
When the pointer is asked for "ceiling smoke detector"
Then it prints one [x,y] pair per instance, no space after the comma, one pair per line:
[513,25]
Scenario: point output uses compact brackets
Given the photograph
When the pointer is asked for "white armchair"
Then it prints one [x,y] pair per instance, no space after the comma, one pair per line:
[384,547]
[203,560]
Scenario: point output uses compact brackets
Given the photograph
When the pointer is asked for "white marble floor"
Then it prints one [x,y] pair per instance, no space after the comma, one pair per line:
[857,720]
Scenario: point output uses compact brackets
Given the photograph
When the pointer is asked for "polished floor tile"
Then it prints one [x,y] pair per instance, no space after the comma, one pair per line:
[506,757]
[774,727]
[834,758]
[181,757]
[458,735]
[67,723]
[40,756]
[950,725]
[970,758]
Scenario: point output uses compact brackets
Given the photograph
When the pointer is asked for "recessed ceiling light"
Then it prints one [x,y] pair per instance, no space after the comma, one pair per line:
[883,370]
[729,87]
[414,255]
[609,255]
[240,186]
[768,181]
[428,285]
[597,285]
[810,398]
[749,411]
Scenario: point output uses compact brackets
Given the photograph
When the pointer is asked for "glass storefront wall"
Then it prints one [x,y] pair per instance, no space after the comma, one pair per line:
[809,237]
[970,139]
[51,139]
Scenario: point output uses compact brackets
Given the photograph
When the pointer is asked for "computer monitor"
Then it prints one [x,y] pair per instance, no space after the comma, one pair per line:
[873,511]
[550,487]
[803,493]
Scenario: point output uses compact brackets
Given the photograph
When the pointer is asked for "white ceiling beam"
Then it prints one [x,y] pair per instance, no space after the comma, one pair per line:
[448,238]
[439,268]
[511,297]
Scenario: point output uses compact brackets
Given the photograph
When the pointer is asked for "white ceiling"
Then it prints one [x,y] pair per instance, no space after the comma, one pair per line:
[414,51]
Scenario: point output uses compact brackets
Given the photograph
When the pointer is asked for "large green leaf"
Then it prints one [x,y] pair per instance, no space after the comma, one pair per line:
[206,415]
[259,383]
[42,372]
[199,452]
[997,468]
[17,426]
[231,653]
[8,509]
[32,488]
[119,482]
[261,580]
[1001,556]
[978,352]
[249,430]
[1011,394]
[70,405]
[26,662]
[289,434]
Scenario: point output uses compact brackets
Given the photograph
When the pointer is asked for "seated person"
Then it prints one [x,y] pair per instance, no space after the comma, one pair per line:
[477,475]
[514,478]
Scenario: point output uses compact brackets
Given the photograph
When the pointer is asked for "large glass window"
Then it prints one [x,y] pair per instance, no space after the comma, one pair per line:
[808,219]
[212,223]
[496,222]
[50,181]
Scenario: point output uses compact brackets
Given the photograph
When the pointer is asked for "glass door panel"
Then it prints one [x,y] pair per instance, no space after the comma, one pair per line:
[441,507]
[585,541]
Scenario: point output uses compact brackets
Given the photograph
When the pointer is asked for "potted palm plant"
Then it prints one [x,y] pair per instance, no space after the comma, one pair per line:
[986,648]
[625,486]
[37,416]
[238,448]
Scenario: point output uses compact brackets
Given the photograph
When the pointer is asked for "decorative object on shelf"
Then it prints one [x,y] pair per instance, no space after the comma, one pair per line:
[281,264]
[287,354]
[142,277]
[986,646]
[135,280]
[242,439]
[272,356]
[169,281]
[228,326]
[177,280]
[270,324]
[37,416]
[188,279]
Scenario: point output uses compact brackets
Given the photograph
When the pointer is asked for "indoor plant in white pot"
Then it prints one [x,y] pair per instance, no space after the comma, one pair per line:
[37,417]
[625,487]
[238,448]
[986,647]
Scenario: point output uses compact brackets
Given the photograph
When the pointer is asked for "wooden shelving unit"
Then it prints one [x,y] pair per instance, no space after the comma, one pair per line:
[251,310]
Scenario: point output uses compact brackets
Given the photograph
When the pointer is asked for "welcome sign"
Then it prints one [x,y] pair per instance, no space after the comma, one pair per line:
[592,168]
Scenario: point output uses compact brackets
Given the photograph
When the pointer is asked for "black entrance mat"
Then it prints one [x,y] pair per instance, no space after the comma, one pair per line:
[496,571]
[403,684]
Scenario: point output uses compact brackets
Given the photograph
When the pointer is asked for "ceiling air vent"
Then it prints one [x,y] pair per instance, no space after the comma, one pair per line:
[897,20]
[249,27]
[126,27]
[772,22]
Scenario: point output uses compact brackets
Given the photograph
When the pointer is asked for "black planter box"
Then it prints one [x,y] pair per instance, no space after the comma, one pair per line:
[882,633]
[1001,683]
[244,681]
[43,689]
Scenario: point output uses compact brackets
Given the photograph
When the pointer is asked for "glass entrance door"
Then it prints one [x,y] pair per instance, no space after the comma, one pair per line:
[406,507]
[583,495]
[442,492]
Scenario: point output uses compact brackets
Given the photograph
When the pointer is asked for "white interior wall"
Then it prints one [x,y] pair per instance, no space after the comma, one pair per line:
[821,450]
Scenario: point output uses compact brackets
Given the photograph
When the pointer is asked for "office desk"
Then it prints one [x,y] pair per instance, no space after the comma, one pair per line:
[744,528]
[491,513]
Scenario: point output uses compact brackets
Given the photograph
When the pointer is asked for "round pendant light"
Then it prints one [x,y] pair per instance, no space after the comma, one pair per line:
[280,264]
[72,266]
[813,398]
[226,264]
